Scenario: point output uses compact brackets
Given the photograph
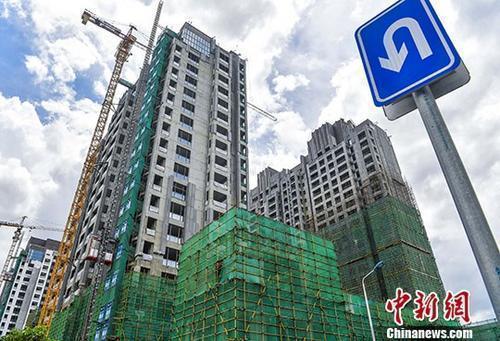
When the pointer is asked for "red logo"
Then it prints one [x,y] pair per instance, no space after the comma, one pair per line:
[427,306]
[457,306]
[397,304]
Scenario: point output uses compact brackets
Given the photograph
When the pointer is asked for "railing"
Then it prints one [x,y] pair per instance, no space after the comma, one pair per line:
[181,177]
[220,204]
[176,216]
[179,196]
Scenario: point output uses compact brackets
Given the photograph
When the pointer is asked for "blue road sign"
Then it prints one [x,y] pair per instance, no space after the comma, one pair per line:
[403,49]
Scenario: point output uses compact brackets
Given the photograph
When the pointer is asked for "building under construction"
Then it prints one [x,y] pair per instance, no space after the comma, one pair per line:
[349,188]
[148,253]
[183,142]
[243,277]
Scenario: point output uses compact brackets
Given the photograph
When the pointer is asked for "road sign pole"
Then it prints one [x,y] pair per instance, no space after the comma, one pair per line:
[481,239]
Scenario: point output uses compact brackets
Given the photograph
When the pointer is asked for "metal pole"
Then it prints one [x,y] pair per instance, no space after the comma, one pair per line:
[367,304]
[481,239]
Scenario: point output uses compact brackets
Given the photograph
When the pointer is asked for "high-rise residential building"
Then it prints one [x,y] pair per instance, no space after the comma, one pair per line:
[188,165]
[97,205]
[340,189]
[24,295]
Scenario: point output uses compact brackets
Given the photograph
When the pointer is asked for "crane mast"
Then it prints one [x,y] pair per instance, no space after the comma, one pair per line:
[14,247]
[57,276]
[111,219]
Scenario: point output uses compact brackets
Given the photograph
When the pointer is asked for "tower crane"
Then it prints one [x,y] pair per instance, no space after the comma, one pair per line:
[261,111]
[5,275]
[104,237]
[128,40]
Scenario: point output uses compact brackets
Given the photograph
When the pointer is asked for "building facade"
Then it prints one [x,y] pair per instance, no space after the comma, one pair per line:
[97,205]
[29,283]
[192,154]
[187,166]
[340,190]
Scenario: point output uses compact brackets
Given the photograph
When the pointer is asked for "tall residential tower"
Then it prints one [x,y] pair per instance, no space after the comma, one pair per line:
[188,165]
[349,188]
[29,283]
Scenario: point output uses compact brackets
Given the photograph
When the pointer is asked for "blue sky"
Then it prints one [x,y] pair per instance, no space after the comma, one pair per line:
[303,65]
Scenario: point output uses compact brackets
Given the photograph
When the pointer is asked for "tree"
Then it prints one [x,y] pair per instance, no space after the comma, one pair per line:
[38,333]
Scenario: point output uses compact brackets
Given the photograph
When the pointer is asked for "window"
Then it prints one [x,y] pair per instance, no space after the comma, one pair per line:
[222,116]
[220,161]
[183,154]
[171,254]
[193,57]
[190,93]
[223,79]
[168,111]
[184,137]
[147,247]
[160,161]
[191,80]
[222,131]
[191,68]
[223,90]
[175,233]
[151,223]
[154,201]
[224,57]
[163,144]
[224,68]
[165,127]
[187,108]
[222,103]
[186,122]
[220,179]
[170,97]
[176,211]
[180,171]
[173,83]
[179,191]
[221,145]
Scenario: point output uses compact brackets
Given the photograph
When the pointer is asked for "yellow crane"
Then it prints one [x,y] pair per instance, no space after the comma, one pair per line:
[50,304]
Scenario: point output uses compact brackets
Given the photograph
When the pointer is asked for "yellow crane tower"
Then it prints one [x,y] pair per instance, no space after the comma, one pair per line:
[128,40]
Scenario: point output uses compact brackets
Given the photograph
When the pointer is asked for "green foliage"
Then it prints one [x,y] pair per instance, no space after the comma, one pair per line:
[38,333]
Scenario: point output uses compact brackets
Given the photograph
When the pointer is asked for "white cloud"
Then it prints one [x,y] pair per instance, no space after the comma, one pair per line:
[36,67]
[310,45]
[288,83]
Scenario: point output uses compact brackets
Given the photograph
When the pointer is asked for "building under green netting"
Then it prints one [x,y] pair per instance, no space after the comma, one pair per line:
[247,277]
[486,330]
[143,312]
[243,277]
[67,323]
[389,231]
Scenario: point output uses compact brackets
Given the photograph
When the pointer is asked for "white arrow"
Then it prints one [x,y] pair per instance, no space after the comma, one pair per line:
[397,58]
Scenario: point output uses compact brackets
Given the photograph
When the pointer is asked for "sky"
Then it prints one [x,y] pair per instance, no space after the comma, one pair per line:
[303,66]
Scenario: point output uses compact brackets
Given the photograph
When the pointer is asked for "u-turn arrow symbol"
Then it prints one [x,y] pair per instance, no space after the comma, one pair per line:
[396,58]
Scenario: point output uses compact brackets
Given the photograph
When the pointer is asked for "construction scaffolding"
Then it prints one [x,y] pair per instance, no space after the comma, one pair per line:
[67,323]
[389,231]
[133,195]
[145,308]
[243,277]
[247,277]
